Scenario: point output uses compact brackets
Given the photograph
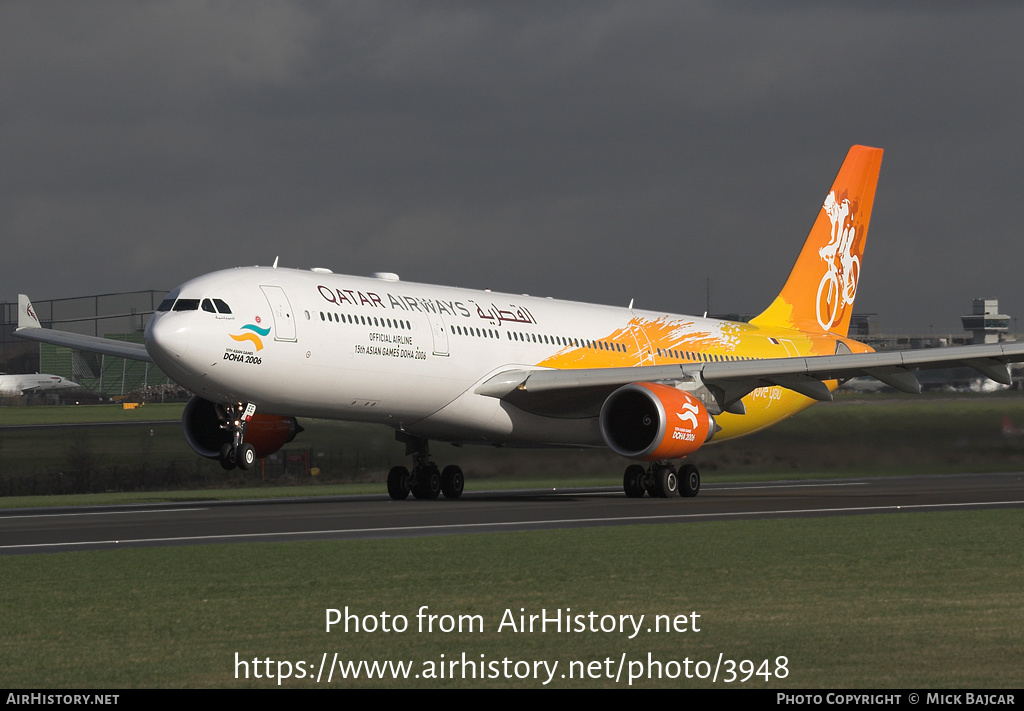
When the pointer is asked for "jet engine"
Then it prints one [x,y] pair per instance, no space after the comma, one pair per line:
[206,429]
[654,422]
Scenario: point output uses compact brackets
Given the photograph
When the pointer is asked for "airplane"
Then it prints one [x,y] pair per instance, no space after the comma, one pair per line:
[28,384]
[260,346]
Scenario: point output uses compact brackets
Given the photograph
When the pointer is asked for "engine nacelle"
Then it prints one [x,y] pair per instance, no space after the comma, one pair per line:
[654,422]
[203,424]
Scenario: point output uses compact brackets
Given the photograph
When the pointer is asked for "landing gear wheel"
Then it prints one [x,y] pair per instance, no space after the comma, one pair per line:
[427,482]
[452,482]
[633,481]
[689,480]
[398,483]
[246,457]
[227,457]
[666,483]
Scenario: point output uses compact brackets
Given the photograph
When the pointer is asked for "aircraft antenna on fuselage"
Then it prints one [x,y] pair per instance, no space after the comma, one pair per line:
[275,261]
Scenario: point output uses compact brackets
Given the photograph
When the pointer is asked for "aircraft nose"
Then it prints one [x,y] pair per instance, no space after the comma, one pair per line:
[167,335]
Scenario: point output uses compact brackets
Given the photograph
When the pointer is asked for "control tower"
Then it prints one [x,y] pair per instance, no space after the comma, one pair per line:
[987,324]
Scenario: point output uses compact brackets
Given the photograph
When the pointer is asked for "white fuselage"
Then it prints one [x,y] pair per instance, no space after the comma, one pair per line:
[316,344]
[18,385]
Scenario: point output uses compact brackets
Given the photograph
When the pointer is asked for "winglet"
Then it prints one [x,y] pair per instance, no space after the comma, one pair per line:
[26,314]
[818,295]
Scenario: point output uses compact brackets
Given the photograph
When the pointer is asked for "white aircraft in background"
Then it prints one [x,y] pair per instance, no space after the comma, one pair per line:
[476,367]
[30,384]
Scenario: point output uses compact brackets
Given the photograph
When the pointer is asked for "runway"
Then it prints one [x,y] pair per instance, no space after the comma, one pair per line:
[27,531]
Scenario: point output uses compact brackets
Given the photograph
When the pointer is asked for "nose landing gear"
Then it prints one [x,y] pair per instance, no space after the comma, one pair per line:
[237,452]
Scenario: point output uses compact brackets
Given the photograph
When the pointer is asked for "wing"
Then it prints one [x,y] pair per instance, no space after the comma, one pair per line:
[30,328]
[580,393]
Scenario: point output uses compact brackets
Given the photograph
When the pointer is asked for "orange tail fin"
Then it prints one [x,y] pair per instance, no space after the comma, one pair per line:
[818,296]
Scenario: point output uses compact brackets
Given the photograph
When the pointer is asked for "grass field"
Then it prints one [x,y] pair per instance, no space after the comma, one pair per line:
[908,600]
[922,600]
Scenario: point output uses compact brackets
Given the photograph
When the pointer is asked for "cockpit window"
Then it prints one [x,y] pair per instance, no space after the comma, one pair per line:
[168,301]
[172,303]
[215,306]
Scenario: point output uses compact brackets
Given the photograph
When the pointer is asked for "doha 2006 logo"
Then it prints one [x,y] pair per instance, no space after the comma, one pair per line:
[253,333]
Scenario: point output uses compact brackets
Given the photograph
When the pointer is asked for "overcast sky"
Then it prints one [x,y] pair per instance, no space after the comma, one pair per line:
[594,151]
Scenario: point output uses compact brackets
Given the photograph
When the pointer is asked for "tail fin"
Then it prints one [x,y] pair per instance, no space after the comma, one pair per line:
[818,296]
[26,314]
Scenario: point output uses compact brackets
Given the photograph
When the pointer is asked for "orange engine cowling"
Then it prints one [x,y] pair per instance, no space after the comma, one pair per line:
[268,433]
[654,422]
[202,423]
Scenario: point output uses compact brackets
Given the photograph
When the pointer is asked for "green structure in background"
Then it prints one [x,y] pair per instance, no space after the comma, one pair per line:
[102,375]
[121,316]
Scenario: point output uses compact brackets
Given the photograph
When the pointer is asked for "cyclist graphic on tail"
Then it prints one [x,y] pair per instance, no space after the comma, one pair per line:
[818,295]
[838,286]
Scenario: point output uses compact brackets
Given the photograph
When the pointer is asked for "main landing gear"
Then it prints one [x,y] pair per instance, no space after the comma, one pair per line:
[661,479]
[424,481]
[237,452]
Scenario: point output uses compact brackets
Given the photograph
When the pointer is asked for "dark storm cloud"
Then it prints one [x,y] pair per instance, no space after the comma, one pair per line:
[594,151]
